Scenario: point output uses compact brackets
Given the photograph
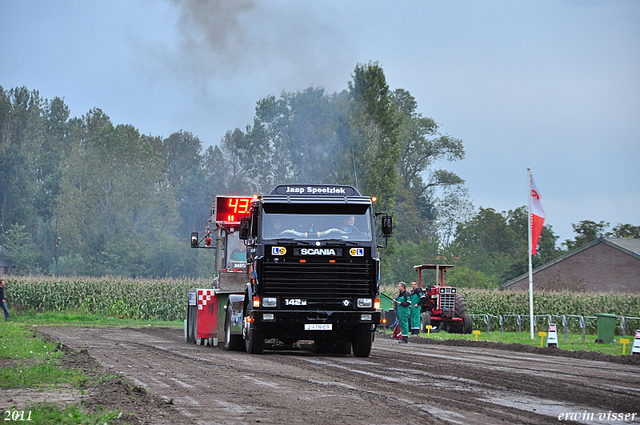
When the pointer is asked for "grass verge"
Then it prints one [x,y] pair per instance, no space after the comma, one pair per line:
[50,413]
[78,318]
[28,361]
[573,342]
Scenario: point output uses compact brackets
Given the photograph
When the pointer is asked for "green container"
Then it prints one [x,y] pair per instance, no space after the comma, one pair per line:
[606,328]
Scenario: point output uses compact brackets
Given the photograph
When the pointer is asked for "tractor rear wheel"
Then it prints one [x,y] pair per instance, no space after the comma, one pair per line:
[466,325]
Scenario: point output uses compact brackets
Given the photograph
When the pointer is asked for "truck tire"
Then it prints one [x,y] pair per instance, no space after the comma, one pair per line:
[254,340]
[231,342]
[363,342]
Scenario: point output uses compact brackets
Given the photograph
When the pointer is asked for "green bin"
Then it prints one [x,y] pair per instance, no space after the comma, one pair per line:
[606,328]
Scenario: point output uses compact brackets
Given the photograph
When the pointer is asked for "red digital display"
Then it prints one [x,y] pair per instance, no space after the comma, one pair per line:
[230,209]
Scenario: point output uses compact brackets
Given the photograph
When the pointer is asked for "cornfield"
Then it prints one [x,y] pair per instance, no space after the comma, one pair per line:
[113,297]
[167,299]
[580,304]
[586,304]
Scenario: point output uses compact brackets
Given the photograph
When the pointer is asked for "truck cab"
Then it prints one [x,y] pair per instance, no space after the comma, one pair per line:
[312,268]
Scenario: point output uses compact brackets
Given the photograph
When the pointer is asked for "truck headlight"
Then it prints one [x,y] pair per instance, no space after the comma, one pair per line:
[269,302]
[365,317]
[364,303]
[268,317]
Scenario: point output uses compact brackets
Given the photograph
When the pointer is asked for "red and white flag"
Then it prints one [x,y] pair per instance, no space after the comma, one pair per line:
[537,216]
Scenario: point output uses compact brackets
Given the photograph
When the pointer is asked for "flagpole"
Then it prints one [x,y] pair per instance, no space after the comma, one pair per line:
[529,217]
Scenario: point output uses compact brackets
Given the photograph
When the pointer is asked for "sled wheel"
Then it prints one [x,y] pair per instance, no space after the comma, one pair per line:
[231,342]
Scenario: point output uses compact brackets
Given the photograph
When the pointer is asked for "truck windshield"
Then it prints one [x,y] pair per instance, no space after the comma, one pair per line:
[348,226]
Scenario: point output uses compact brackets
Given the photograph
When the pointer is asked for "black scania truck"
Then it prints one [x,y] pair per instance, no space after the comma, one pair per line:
[313,268]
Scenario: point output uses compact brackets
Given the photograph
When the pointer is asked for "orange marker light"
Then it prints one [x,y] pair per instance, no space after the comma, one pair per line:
[374,199]
[256,302]
[303,261]
[376,303]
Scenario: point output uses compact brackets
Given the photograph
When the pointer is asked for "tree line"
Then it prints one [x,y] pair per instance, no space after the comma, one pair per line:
[82,196]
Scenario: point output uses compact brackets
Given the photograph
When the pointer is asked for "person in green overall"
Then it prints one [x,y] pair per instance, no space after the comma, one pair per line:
[416,294]
[404,311]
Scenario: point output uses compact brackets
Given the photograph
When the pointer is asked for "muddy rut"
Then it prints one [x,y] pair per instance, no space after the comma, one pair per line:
[415,383]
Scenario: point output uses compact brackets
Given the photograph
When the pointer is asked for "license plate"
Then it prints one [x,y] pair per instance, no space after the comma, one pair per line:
[318,327]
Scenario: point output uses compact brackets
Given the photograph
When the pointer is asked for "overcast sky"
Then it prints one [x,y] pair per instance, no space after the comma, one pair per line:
[550,85]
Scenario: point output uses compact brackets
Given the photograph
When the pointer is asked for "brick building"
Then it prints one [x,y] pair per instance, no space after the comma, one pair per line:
[604,265]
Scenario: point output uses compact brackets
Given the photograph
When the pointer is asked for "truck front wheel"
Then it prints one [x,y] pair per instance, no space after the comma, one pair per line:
[254,340]
[363,342]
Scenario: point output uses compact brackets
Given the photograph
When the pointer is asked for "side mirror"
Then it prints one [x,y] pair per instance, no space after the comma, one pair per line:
[387,225]
[245,225]
[194,240]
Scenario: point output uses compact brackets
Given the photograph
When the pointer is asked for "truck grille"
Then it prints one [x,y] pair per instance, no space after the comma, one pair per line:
[447,301]
[323,285]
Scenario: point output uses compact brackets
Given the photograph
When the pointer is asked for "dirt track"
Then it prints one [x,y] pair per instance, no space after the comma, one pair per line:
[416,383]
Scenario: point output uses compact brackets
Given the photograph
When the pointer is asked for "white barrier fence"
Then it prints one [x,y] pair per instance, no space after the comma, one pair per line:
[565,319]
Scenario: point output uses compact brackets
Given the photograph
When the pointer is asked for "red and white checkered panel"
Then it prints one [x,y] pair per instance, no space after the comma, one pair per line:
[204,296]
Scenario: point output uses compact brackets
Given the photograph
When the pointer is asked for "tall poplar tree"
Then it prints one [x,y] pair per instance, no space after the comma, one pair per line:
[370,146]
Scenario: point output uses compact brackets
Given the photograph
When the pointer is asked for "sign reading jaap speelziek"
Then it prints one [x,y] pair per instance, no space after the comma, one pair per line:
[295,189]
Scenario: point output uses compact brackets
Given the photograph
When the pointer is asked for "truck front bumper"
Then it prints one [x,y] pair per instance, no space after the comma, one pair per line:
[296,324]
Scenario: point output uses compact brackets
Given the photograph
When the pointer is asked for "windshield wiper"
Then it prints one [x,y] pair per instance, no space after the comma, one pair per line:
[289,240]
[341,242]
